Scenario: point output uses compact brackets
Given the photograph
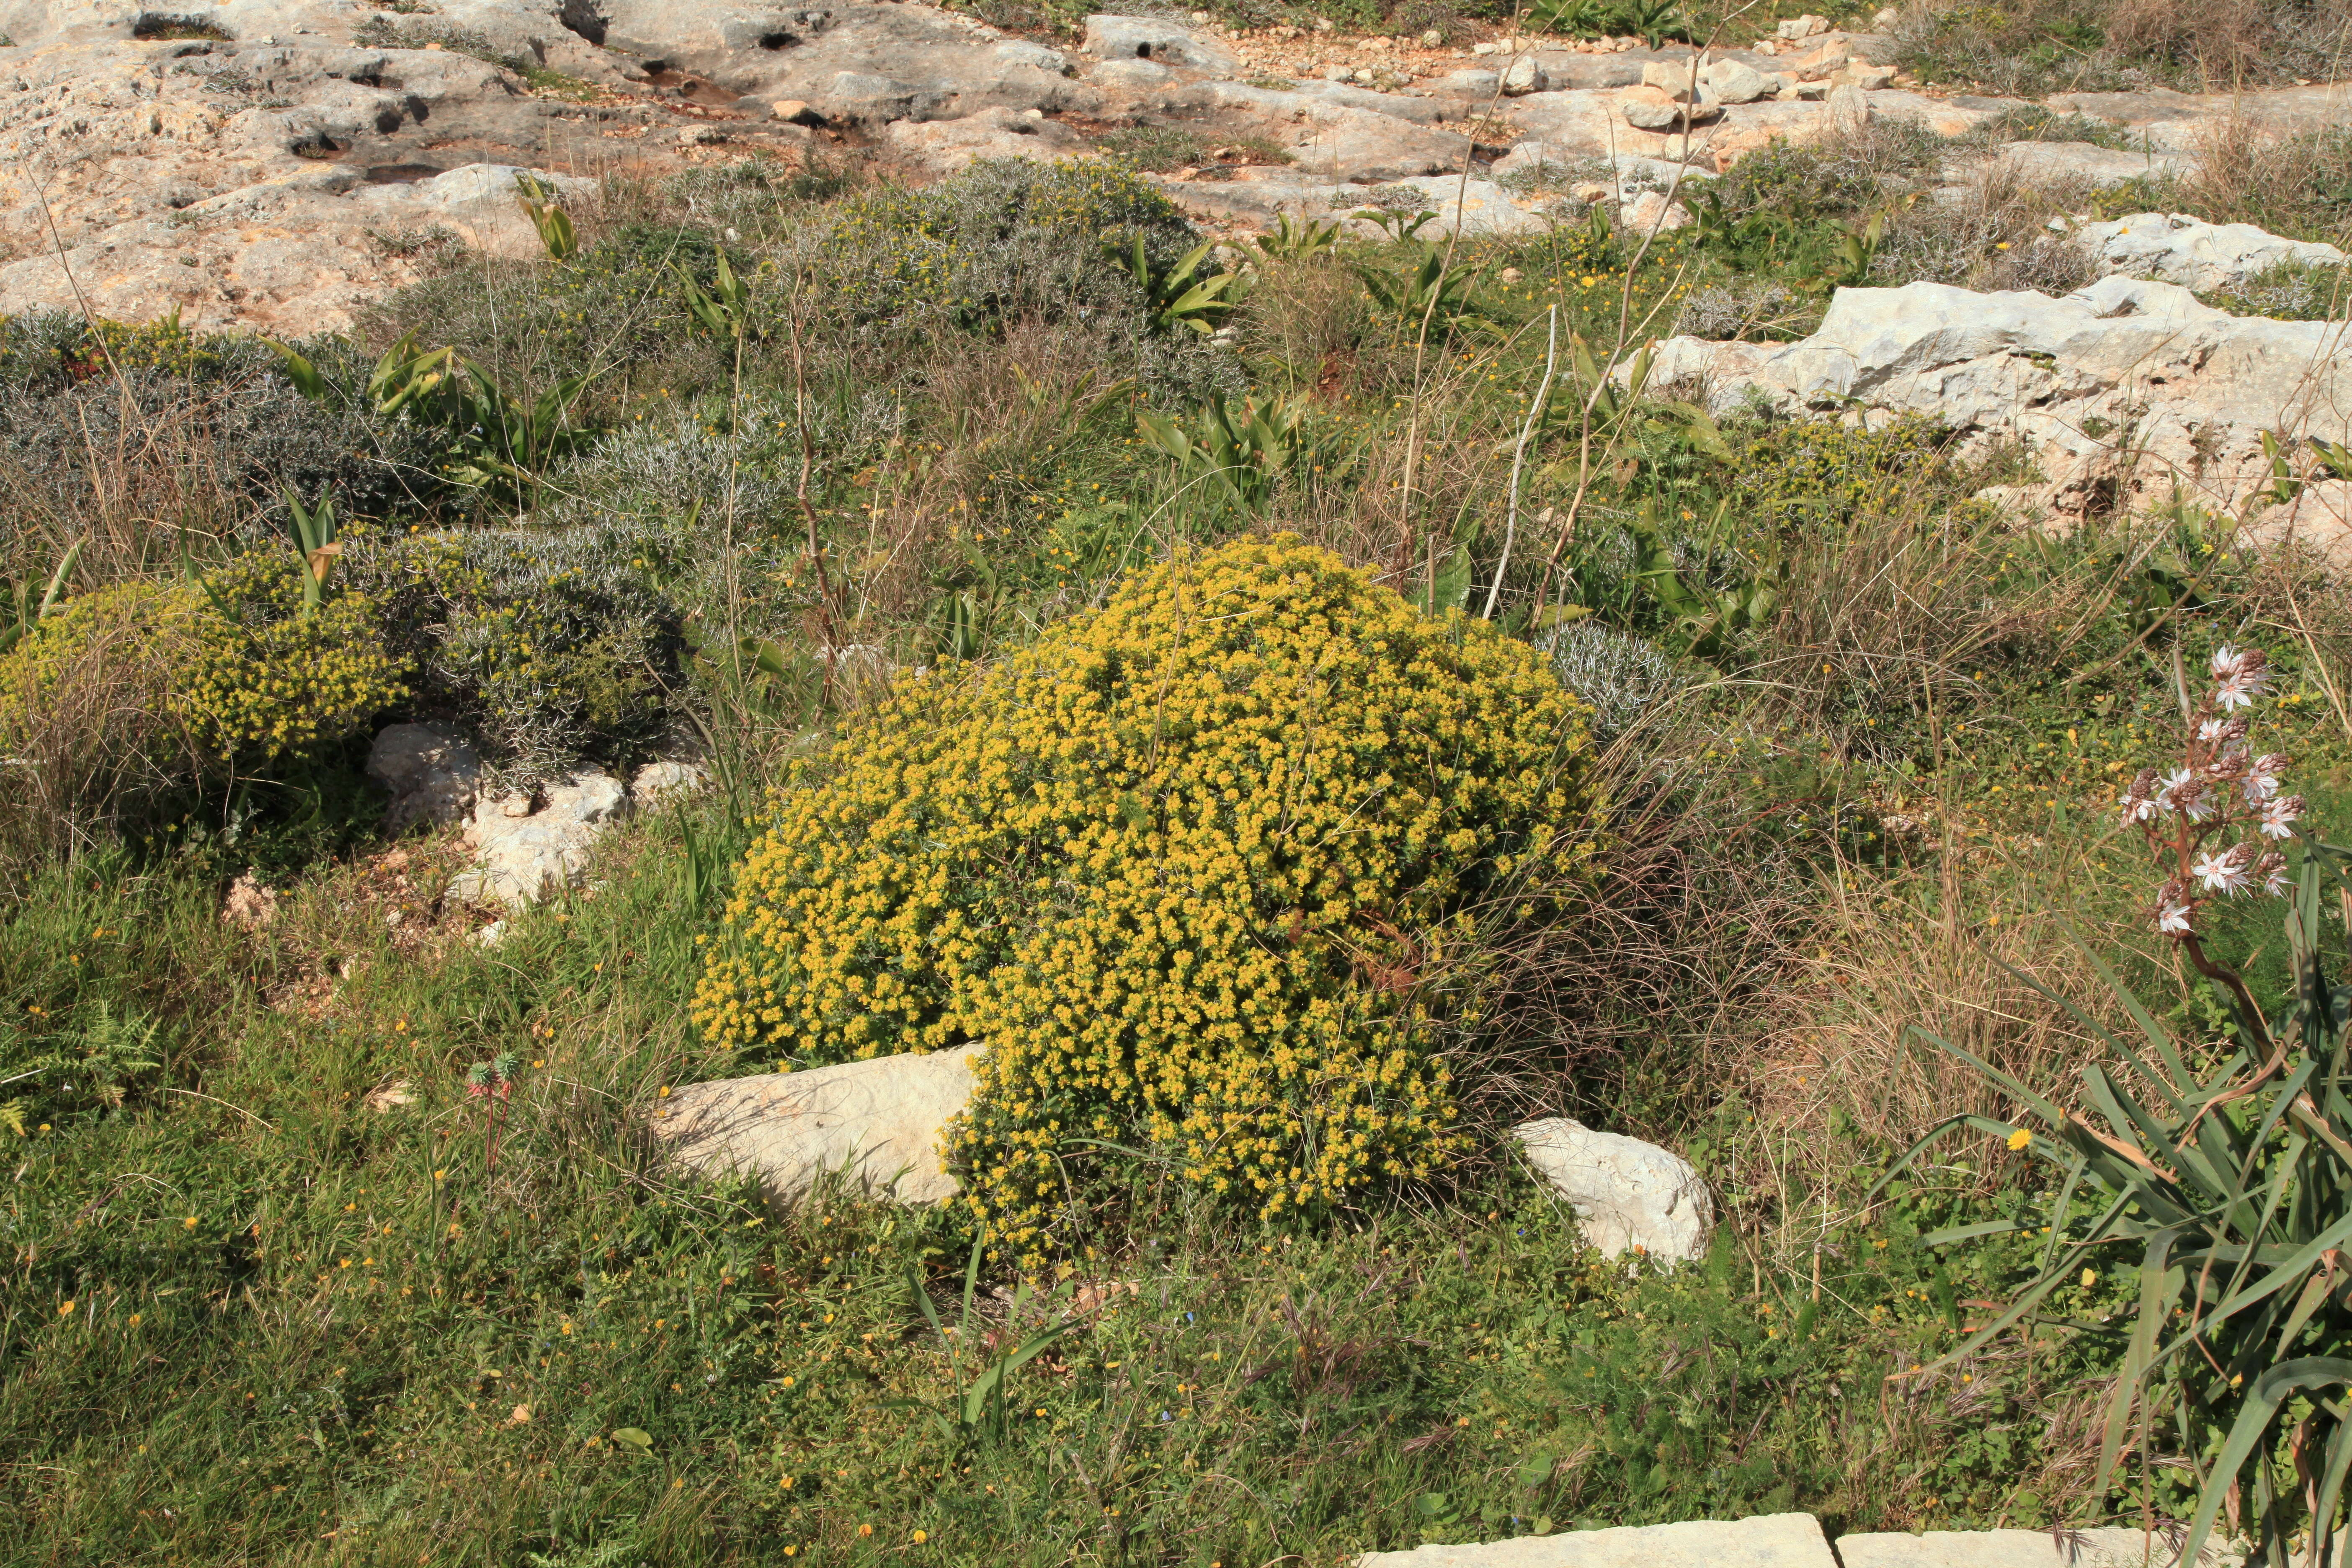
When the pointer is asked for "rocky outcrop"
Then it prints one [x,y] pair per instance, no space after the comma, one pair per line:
[877,1124]
[1767,1540]
[274,163]
[1629,1197]
[430,771]
[2121,393]
[2196,254]
[528,845]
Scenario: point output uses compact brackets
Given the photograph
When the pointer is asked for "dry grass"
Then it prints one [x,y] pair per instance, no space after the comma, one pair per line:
[90,741]
[2299,184]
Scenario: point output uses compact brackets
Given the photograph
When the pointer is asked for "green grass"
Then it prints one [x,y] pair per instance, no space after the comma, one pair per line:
[260,1313]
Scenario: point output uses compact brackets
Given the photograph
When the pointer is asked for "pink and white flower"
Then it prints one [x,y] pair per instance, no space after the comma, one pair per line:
[2227,871]
[2245,674]
[2279,816]
[2271,870]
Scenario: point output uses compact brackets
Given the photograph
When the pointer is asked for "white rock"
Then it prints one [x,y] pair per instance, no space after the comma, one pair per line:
[1629,1195]
[2045,161]
[1157,39]
[521,859]
[1470,83]
[1734,82]
[1130,74]
[2195,254]
[430,770]
[1767,1541]
[2194,386]
[1795,28]
[1848,108]
[666,776]
[1654,108]
[946,146]
[1676,79]
[1651,213]
[1523,75]
[880,1121]
[2099,1548]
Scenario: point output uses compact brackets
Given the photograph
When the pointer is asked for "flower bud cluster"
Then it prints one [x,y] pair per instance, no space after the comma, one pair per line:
[2193,815]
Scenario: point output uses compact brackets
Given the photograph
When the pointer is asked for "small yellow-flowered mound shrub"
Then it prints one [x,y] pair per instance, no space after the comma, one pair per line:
[267,680]
[135,691]
[1180,863]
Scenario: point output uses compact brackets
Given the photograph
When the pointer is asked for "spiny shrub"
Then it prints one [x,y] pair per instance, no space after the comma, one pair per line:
[1187,864]
[1822,472]
[999,242]
[552,647]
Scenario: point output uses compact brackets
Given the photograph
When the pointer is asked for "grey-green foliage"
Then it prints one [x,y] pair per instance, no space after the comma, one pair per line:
[1010,241]
[1621,675]
[184,445]
[552,646]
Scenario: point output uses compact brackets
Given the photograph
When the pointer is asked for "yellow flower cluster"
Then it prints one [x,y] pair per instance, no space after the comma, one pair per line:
[230,668]
[267,680]
[1182,863]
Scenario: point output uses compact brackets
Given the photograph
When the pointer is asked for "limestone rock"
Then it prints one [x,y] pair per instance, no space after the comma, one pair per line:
[1736,83]
[945,146]
[880,1121]
[430,770]
[2104,1548]
[1653,108]
[520,858]
[1767,1540]
[2195,387]
[2047,163]
[1157,39]
[1676,79]
[1630,1196]
[2196,255]
[1847,109]
[1523,75]
[1332,139]
[667,777]
[1651,213]
[1469,83]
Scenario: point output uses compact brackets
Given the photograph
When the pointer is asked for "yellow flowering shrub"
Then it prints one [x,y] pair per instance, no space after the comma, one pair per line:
[267,680]
[132,690]
[1182,863]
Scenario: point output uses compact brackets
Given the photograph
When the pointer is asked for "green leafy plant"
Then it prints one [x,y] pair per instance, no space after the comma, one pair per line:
[1240,453]
[2227,1166]
[1180,296]
[1295,241]
[724,310]
[1714,592]
[490,441]
[554,226]
[979,1411]
[1431,290]
[23,606]
[313,531]
[93,1067]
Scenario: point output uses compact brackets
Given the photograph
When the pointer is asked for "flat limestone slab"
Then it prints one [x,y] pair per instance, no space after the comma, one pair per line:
[2017,1548]
[878,1120]
[1767,1541]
